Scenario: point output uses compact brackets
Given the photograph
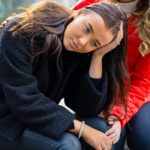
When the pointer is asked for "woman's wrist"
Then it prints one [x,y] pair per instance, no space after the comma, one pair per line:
[78,126]
[95,70]
[81,129]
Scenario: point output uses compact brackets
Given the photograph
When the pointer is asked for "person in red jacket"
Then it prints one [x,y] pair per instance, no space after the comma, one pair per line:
[136,118]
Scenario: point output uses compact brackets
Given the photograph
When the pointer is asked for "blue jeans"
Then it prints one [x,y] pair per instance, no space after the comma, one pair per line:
[137,131]
[68,141]
[31,140]
[120,144]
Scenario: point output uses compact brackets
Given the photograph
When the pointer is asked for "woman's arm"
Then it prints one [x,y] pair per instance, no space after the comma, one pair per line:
[31,107]
[83,95]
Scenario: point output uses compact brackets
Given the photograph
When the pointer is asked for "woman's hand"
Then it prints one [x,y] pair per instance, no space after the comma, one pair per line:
[96,139]
[5,22]
[93,137]
[110,46]
[95,70]
[114,132]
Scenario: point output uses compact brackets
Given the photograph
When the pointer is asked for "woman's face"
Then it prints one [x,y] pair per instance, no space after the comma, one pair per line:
[86,33]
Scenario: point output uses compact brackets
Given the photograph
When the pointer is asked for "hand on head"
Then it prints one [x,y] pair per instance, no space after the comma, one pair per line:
[110,46]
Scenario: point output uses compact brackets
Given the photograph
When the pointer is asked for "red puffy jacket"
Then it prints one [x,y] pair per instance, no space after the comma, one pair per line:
[139,69]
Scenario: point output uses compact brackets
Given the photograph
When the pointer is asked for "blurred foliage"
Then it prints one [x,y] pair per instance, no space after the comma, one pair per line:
[7,7]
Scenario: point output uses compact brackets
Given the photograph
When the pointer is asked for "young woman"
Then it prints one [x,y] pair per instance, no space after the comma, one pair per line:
[138,98]
[48,53]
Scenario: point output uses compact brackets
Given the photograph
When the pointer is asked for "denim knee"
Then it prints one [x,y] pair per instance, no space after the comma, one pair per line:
[70,142]
[137,140]
[138,133]
[97,123]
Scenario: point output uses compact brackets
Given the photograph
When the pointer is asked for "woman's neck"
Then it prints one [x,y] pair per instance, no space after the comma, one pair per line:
[129,6]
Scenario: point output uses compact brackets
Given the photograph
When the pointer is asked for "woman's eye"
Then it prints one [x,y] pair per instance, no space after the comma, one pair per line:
[93,43]
[87,29]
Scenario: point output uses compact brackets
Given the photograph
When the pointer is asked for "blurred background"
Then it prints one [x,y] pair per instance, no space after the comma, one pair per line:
[7,7]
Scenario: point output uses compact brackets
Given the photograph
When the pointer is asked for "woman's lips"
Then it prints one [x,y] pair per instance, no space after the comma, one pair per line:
[73,44]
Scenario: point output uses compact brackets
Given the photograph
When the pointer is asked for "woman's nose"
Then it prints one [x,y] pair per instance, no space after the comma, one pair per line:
[84,40]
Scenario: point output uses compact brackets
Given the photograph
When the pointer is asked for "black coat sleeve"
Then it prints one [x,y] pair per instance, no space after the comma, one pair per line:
[31,107]
[85,96]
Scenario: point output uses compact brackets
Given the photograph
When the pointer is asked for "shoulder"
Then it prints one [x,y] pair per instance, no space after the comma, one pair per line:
[8,41]
[5,33]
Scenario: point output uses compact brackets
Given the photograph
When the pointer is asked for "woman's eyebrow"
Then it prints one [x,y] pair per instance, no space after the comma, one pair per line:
[91,29]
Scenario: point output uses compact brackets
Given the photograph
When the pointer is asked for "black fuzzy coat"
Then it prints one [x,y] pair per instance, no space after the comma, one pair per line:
[30,93]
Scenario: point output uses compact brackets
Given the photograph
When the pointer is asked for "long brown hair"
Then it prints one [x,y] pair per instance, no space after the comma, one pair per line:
[114,62]
[44,23]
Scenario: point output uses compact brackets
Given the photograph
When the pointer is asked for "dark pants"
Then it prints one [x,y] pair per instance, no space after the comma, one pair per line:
[138,130]
[68,141]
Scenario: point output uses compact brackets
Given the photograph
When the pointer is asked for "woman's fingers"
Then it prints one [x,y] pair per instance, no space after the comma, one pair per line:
[114,135]
[3,25]
[110,131]
[106,146]
[5,22]
[116,140]
[114,132]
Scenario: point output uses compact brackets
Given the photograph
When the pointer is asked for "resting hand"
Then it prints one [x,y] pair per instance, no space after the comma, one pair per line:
[114,132]
[93,137]
[110,46]
[95,70]
[96,139]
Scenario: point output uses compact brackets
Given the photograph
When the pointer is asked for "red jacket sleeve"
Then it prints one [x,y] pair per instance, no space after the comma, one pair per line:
[139,93]
[84,3]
